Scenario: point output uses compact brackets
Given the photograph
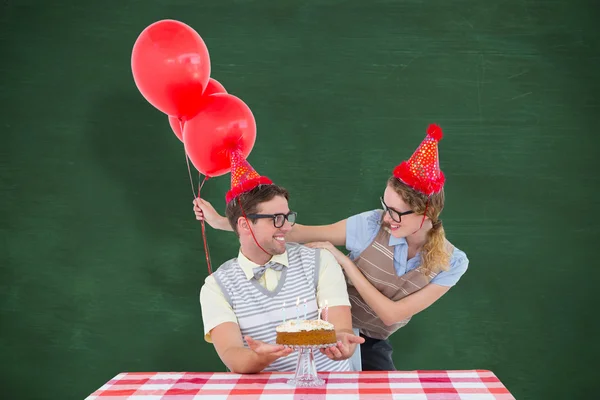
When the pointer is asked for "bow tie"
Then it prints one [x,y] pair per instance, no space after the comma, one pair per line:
[260,271]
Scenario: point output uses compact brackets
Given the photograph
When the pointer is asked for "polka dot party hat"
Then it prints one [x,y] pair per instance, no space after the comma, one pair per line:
[422,171]
[243,177]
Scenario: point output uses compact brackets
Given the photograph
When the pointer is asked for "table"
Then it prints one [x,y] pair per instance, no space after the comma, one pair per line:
[418,385]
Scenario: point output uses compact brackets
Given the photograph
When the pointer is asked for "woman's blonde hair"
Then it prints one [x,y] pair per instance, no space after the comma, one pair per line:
[434,254]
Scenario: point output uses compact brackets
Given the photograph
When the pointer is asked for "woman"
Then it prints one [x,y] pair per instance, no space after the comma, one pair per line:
[400,261]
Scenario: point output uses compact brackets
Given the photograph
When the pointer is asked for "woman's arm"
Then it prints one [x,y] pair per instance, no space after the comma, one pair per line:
[333,233]
[389,311]
[206,212]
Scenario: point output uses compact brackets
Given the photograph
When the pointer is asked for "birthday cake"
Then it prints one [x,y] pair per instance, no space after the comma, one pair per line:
[305,333]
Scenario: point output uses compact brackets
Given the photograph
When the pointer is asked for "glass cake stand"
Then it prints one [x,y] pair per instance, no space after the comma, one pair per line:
[306,370]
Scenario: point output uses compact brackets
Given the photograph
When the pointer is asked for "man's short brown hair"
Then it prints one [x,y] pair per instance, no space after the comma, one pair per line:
[250,202]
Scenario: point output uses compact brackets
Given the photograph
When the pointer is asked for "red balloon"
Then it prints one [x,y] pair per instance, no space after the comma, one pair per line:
[224,124]
[213,87]
[176,127]
[171,67]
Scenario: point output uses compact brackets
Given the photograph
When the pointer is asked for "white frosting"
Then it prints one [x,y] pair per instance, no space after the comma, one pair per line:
[304,325]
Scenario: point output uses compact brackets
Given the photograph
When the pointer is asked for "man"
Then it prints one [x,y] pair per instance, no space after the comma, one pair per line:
[243,301]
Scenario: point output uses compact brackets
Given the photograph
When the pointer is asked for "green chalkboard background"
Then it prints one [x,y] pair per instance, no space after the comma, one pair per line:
[101,257]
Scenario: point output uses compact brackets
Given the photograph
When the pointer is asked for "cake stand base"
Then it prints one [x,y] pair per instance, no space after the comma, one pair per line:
[306,370]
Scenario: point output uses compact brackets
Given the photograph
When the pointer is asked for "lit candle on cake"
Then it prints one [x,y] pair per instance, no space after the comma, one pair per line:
[283,311]
[325,311]
[304,309]
[298,310]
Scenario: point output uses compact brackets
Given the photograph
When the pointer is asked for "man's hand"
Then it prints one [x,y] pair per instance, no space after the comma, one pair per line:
[271,351]
[345,346]
[242,359]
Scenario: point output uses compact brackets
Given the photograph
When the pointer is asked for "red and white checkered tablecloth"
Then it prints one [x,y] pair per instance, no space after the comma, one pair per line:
[418,385]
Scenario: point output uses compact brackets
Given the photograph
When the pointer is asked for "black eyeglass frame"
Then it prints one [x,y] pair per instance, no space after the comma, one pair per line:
[393,212]
[286,217]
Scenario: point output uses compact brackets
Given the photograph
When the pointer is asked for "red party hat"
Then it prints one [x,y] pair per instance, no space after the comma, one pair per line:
[243,177]
[422,171]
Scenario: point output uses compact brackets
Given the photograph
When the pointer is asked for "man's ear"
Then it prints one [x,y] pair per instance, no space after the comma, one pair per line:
[242,224]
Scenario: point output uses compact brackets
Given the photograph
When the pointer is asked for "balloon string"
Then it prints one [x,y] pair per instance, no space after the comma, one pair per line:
[187,160]
[206,249]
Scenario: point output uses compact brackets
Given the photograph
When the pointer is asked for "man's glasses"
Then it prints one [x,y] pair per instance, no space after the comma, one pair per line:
[395,215]
[278,219]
